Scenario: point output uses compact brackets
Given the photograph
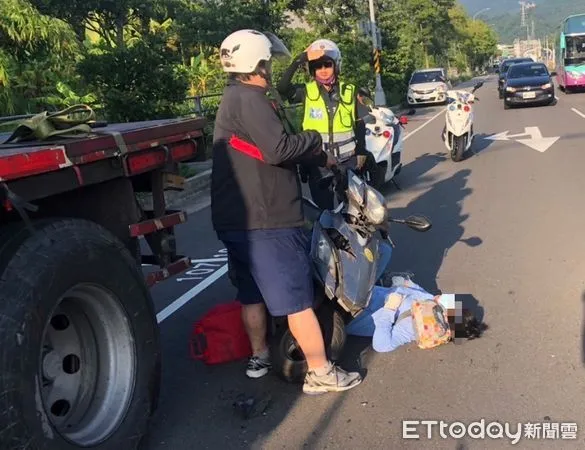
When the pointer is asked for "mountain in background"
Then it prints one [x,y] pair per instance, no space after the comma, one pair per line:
[496,6]
[504,16]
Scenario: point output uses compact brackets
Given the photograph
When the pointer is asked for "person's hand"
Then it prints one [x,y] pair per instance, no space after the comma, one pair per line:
[314,54]
[331,161]
[361,161]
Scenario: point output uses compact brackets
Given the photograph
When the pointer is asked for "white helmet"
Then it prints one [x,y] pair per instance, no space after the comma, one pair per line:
[243,50]
[330,49]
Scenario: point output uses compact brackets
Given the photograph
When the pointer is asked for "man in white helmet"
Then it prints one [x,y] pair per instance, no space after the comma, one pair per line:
[256,205]
[331,107]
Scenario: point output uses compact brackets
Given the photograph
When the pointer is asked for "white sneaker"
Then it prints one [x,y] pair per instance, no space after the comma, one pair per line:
[258,367]
[337,380]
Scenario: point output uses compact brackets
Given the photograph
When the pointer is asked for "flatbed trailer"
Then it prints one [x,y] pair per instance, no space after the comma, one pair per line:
[80,361]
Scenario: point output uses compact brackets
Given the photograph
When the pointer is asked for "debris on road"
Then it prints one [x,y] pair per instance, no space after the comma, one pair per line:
[248,407]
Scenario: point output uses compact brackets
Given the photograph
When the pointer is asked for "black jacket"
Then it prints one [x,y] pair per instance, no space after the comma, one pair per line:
[254,180]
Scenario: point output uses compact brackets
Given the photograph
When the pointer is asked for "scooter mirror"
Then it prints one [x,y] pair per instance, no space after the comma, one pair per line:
[478,85]
[403,120]
[418,223]
[365,93]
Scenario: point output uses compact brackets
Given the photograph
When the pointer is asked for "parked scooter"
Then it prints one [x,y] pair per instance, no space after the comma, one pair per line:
[458,133]
[350,249]
[384,141]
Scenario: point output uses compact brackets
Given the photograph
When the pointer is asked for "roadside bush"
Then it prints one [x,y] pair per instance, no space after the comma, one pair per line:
[141,82]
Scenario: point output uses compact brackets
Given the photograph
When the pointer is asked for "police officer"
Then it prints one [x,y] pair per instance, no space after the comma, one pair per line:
[330,106]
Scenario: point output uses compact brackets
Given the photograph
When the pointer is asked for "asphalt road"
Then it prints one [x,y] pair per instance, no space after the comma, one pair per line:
[508,224]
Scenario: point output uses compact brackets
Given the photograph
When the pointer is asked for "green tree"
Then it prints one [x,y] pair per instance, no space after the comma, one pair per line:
[114,21]
[200,28]
[140,82]
[482,43]
[33,49]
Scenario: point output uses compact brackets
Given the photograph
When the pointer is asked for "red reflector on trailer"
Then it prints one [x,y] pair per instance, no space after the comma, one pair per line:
[145,161]
[34,163]
[183,150]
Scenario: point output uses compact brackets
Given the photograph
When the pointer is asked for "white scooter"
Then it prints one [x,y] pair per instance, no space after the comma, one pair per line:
[384,141]
[458,133]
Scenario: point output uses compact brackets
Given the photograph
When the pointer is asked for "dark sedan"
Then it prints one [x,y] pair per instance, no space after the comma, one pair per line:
[528,83]
[503,71]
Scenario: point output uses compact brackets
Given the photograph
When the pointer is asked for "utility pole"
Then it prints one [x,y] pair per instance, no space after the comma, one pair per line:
[379,96]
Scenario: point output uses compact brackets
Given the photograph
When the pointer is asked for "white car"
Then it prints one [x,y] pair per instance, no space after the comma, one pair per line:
[428,86]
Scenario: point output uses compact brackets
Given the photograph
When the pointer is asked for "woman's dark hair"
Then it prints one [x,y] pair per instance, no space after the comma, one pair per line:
[468,327]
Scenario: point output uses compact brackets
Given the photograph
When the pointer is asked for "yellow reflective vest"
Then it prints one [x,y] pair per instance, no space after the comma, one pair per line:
[338,133]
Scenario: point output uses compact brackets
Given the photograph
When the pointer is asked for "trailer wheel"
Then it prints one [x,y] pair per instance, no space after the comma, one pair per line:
[79,344]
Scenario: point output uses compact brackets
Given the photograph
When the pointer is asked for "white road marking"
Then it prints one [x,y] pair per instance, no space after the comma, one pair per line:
[209,260]
[579,113]
[191,294]
[536,141]
[416,130]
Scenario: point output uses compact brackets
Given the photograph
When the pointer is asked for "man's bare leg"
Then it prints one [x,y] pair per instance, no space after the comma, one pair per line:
[322,376]
[305,328]
[254,318]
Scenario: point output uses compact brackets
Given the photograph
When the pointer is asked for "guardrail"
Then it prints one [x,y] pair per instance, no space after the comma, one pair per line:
[197,102]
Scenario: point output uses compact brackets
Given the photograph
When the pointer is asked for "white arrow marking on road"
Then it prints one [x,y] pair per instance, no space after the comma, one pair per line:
[498,137]
[536,141]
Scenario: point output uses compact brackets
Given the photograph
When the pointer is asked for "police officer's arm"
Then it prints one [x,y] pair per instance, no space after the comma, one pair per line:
[294,93]
[264,127]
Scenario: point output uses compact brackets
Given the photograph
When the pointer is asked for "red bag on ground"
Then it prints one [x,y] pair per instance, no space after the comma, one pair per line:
[219,336]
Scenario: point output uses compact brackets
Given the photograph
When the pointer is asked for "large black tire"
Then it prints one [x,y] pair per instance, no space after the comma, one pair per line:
[288,359]
[74,309]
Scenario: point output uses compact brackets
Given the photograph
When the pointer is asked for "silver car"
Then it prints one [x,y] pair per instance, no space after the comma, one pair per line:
[428,86]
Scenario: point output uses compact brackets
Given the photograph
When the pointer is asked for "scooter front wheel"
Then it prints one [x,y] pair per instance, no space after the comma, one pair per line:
[458,148]
[287,357]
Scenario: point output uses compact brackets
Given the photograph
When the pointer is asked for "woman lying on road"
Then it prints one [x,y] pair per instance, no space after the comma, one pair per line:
[388,321]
